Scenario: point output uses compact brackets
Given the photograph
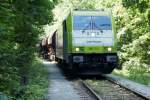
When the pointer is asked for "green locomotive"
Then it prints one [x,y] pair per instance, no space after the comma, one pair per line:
[86,40]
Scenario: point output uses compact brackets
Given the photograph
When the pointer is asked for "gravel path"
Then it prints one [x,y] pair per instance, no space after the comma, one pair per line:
[59,88]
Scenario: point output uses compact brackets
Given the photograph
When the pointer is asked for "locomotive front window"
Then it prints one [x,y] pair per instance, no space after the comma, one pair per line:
[101,22]
[81,22]
[92,31]
[92,23]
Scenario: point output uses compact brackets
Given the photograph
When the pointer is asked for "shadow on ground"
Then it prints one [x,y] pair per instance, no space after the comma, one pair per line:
[71,75]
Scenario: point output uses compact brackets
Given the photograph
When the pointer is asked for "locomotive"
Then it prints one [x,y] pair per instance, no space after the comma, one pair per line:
[86,40]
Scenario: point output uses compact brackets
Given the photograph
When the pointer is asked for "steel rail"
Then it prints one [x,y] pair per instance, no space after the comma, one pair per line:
[96,96]
[130,85]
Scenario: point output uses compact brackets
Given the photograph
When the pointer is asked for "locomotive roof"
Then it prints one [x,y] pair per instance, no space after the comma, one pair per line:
[101,12]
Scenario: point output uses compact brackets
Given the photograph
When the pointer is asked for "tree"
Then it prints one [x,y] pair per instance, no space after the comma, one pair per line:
[21,22]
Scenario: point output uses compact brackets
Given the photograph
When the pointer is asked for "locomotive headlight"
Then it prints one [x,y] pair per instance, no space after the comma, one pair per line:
[77,49]
[109,49]
[93,34]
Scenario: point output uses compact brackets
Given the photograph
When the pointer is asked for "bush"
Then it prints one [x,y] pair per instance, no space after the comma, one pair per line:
[38,83]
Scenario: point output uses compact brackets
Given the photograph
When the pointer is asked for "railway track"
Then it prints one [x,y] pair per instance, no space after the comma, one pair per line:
[138,89]
[108,89]
[66,87]
[85,91]
[81,91]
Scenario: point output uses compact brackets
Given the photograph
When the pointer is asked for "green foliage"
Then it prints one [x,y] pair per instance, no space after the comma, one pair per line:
[134,55]
[37,86]
[21,22]
[140,5]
